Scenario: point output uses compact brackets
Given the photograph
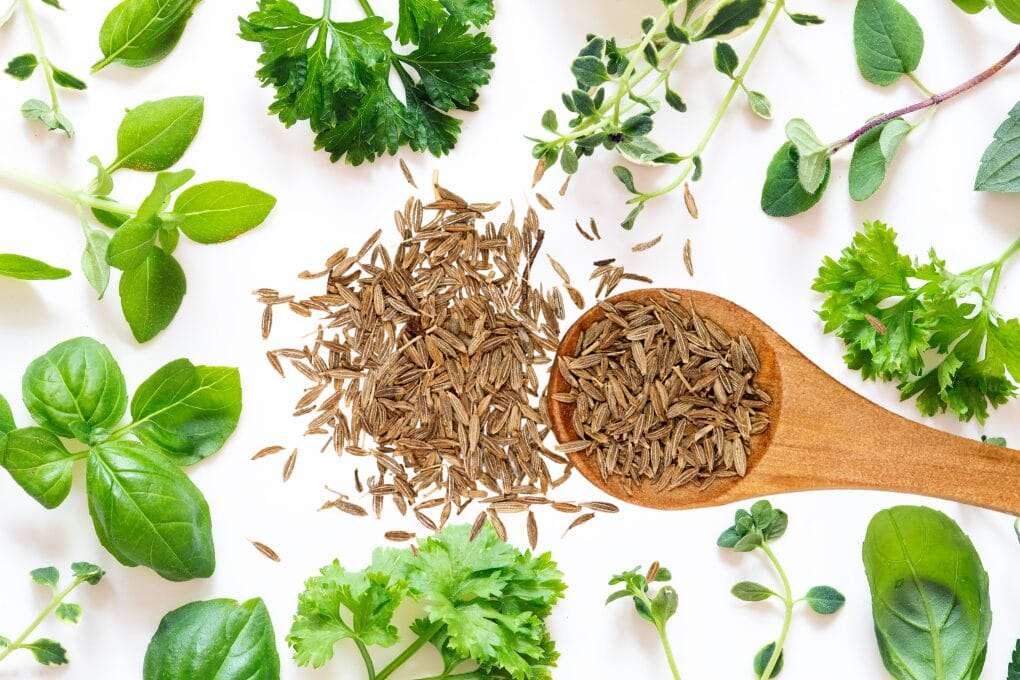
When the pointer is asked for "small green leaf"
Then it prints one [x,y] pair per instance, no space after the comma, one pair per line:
[628,222]
[549,121]
[65,79]
[151,294]
[169,238]
[46,576]
[888,40]
[37,460]
[665,603]
[53,3]
[153,136]
[777,527]
[726,59]
[645,151]
[87,572]
[806,19]
[583,103]
[215,212]
[139,33]
[103,184]
[626,178]
[991,441]
[698,168]
[131,244]
[873,152]
[93,258]
[729,18]
[22,67]
[47,652]
[568,160]
[783,195]
[638,125]
[972,6]
[36,109]
[166,183]
[760,104]
[803,136]
[589,71]
[999,169]
[618,595]
[1009,9]
[675,101]
[6,420]
[728,538]
[812,170]
[762,659]
[748,542]
[749,591]
[29,269]
[68,612]
[825,600]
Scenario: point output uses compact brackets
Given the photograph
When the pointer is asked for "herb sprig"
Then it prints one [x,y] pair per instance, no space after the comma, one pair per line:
[145,510]
[619,90]
[656,608]
[756,530]
[23,66]
[336,75]
[894,312]
[152,138]
[889,43]
[46,651]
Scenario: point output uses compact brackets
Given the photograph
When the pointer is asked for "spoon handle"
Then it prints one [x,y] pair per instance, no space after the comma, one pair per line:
[831,437]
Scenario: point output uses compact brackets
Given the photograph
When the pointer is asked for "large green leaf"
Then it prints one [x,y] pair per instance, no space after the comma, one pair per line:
[151,294]
[40,465]
[929,595]
[75,389]
[783,195]
[147,512]
[1000,165]
[888,40]
[219,211]
[154,135]
[187,411]
[214,640]
[139,33]
[29,269]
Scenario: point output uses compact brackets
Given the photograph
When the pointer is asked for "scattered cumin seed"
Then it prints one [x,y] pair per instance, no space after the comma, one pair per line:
[603,263]
[544,202]
[653,571]
[266,550]
[575,297]
[692,206]
[268,451]
[539,172]
[476,527]
[497,524]
[588,516]
[267,321]
[275,363]
[688,260]
[560,271]
[639,247]
[877,324]
[288,467]
[593,225]
[566,185]
[399,536]
[346,507]
[566,507]
[600,506]
[581,231]
[532,530]
[407,173]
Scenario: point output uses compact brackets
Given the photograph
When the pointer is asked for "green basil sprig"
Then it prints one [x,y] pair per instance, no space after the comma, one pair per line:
[214,640]
[756,530]
[23,66]
[145,509]
[929,595]
[139,33]
[152,138]
[46,651]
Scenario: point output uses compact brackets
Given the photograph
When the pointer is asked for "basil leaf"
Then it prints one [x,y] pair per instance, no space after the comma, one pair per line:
[187,411]
[139,33]
[730,18]
[929,595]
[219,211]
[147,512]
[29,269]
[1000,164]
[93,258]
[110,219]
[1009,9]
[151,294]
[153,136]
[40,464]
[166,183]
[6,421]
[131,244]
[783,195]
[971,6]
[214,640]
[103,184]
[75,389]
[888,40]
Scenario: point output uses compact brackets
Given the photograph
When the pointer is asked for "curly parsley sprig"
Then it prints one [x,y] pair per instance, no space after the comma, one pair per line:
[619,90]
[894,312]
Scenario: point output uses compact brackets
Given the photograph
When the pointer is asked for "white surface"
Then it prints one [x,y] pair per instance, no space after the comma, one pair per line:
[763,264]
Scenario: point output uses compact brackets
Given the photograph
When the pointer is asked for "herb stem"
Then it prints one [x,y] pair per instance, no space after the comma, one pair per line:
[631,64]
[738,82]
[997,267]
[931,101]
[327,9]
[78,198]
[367,658]
[409,652]
[668,649]
[40,48]
[920,86]
[788,601]
[54,603]
[365,6]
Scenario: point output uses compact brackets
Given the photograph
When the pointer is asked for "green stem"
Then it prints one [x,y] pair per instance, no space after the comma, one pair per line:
[408,652]
[993,284]
[787,616]
[632,63]
[76,197]
[367,658]
[669,652]
[47,67]
[469,675]
[920,86]
[54,603]
[366,7]
[327,9]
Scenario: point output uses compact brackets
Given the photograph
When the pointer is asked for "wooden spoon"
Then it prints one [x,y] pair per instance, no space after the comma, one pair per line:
[822,436]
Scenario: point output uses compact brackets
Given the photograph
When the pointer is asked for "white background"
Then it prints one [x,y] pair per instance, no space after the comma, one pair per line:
[763,264]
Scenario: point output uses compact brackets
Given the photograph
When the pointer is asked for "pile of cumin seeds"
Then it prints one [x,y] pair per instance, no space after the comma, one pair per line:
[662,397]
[425,361]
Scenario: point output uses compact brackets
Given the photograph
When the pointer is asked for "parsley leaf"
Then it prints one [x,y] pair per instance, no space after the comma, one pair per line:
[336,75]
[893,312]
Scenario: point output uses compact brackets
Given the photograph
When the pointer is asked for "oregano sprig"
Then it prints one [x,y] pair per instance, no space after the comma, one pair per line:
[657,608]
[757,530]
[151,138]
[45,650]
[23,66]
[619,89]
[889,43]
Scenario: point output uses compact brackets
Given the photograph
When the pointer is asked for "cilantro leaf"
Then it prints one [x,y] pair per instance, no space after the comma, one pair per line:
[336,75]
[1014,666]
[338,605]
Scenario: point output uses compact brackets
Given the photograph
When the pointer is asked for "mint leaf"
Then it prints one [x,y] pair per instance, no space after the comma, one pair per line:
[1000,165]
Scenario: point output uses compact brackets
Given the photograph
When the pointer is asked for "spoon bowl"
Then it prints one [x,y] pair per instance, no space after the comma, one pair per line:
[822,435]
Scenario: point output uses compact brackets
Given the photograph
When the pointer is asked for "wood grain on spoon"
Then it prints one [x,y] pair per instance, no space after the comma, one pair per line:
[823,435]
